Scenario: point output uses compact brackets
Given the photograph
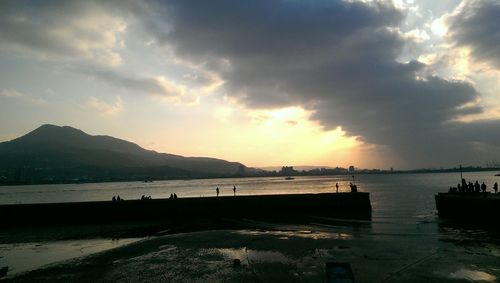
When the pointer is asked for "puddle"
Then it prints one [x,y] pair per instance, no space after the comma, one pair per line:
[472,275]
[308,234]
[249,256]
[22,257]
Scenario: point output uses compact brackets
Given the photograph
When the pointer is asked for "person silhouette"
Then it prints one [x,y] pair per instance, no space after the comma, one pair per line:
[337,186]
[483,187]
[495,187]
[217,191]
[477,187]
[234,190]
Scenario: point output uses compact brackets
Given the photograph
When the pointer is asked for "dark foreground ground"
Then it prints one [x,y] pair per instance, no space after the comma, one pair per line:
[271,252]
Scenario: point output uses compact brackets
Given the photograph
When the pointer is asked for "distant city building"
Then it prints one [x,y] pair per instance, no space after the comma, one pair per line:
[287,170]
[351,168]
[493,164]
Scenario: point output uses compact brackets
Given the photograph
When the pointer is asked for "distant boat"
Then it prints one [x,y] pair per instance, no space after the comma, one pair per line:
[289,178]
[498,175]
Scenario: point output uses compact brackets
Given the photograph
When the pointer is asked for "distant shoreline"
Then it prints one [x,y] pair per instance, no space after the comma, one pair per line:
[315,173]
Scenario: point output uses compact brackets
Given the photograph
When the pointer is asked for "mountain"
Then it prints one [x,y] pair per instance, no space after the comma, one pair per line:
[65,152]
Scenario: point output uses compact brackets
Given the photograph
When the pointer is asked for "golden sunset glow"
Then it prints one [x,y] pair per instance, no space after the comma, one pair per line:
[265,138]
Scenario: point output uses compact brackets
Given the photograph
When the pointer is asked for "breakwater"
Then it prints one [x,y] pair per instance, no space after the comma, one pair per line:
[477,207]
[339,205]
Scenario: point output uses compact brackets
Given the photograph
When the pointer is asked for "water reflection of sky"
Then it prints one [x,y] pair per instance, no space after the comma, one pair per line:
[22,257]
[249,256]
[472,275]
[308,234]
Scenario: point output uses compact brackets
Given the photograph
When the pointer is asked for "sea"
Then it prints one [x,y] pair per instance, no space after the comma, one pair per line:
[402,206]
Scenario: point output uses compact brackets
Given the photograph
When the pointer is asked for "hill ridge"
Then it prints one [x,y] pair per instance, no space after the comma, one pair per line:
[63,147]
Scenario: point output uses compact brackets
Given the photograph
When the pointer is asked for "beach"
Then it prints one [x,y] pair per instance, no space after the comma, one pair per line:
[291,254]
[404,242]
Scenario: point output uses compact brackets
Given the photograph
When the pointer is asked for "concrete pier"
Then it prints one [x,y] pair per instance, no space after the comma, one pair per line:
[338,205]
[477,207]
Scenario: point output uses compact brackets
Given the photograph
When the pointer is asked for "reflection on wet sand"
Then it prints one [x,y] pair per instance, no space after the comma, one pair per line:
[308,234]
[22,257]
[249,256]
[472,275]
[283,255]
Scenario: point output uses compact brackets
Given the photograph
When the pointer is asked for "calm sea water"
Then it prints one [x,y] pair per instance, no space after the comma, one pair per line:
[407,197]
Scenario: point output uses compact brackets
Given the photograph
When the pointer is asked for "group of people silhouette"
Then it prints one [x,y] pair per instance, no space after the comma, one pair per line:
[117,198]
[217,191]
[354,188]
[469,187]
[144,197]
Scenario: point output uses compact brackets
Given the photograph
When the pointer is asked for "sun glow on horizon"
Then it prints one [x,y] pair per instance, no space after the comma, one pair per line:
[299,140]
[269,138]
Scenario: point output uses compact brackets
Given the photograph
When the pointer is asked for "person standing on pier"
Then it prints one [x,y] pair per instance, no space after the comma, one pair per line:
[217,191]
[495,187]
[234,190]
[470,187]
[337,186]
[354,188]
[483,187]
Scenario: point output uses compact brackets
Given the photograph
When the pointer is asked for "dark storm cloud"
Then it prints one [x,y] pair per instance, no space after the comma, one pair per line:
[333,57]
[262,47]
[477,25]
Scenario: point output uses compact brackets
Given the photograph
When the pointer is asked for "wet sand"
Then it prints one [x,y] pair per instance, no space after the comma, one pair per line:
[286,253]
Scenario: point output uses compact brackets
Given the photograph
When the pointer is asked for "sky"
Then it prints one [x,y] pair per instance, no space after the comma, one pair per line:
[375,84]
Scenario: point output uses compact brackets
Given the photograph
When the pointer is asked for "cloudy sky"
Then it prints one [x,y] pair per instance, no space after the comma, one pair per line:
[404,84]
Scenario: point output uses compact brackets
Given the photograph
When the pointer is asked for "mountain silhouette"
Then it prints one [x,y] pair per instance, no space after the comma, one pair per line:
[53,151]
